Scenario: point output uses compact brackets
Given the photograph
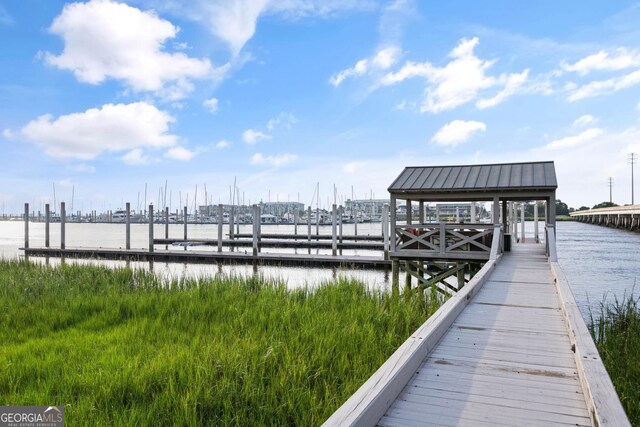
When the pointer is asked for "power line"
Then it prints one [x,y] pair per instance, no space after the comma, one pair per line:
[633,158]
[610,182]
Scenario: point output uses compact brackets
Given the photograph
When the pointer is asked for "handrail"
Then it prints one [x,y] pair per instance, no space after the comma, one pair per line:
[550,238]
[442,238]
[369,403]
[602,400]
[496,243]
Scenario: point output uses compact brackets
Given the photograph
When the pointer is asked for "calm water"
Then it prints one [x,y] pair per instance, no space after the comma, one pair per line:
[599,262]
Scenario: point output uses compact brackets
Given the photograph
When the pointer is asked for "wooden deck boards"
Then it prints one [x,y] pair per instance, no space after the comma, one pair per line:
[506,360]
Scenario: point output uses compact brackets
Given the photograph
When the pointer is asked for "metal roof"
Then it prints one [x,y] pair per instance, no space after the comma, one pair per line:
[478,178]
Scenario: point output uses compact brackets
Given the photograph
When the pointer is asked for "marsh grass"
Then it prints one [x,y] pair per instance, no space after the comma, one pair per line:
[616,331]
[123,347]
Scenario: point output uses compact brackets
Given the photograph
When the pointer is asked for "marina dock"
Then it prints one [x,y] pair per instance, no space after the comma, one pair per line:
[508,347]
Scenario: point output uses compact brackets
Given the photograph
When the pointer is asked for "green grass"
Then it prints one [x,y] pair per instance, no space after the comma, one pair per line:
[122,347]
[616,332]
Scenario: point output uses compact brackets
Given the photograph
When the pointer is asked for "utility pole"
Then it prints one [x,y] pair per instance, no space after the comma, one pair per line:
[610,190]
[633,159]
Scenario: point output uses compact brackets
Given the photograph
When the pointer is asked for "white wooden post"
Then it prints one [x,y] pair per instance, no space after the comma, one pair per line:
[421,212]
[393,208]
[150,228]
[340,212]
[457,214]
[317,221]
[26,225]
[334,240]
[220,224]
[522,222]
[256,224]
[309,224]
[535,222]
[166,222]
[127,226]
[472,213]
[385,229]
[47,218]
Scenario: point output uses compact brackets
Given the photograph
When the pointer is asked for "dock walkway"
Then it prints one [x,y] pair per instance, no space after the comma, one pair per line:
[506,360]
[509,349]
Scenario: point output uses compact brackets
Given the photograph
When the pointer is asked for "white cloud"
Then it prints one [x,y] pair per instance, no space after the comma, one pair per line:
[179,153]
[105,39]
[211,105]
[383,59]
[602,87]
[223,144]
[252,136]
[284,120]
[457,132]
[111,128]
[603,61]
[275,161]
[458,82]
[512,84]
[8,134]
[585,120]
[136,157]
[574,140]
[82,168]
[235,21]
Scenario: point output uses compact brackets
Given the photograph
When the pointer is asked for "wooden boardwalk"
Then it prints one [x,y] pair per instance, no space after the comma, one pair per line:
[509,349]
[506,360]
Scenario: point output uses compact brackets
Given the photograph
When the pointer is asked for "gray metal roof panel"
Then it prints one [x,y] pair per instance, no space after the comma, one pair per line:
[507,176]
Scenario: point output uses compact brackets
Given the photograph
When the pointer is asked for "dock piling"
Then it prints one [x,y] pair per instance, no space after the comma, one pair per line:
[26,225]
[220,225]
[166,222]
[334,240]
[256,224]
[63,220]
[151,228]
[184,218]
[385,229]
[47,218]
[127,226]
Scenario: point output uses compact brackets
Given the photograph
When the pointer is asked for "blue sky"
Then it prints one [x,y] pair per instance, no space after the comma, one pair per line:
[103,97]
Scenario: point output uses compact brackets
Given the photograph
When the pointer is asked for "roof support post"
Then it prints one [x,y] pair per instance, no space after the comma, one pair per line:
[409,212]
[393,223]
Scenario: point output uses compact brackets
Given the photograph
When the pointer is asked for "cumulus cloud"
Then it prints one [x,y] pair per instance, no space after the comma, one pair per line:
[585,120]
[275,161]
[211,105]
[458,82]
[383,59]
[136,157]
[620,59]
[252,136]
[179,153]
[223,144]
[603,87]
[111,128]
[104,39]
[457,132]
[284,120]
[574,140]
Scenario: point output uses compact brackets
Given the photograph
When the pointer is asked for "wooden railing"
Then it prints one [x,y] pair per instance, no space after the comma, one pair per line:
[444,240]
